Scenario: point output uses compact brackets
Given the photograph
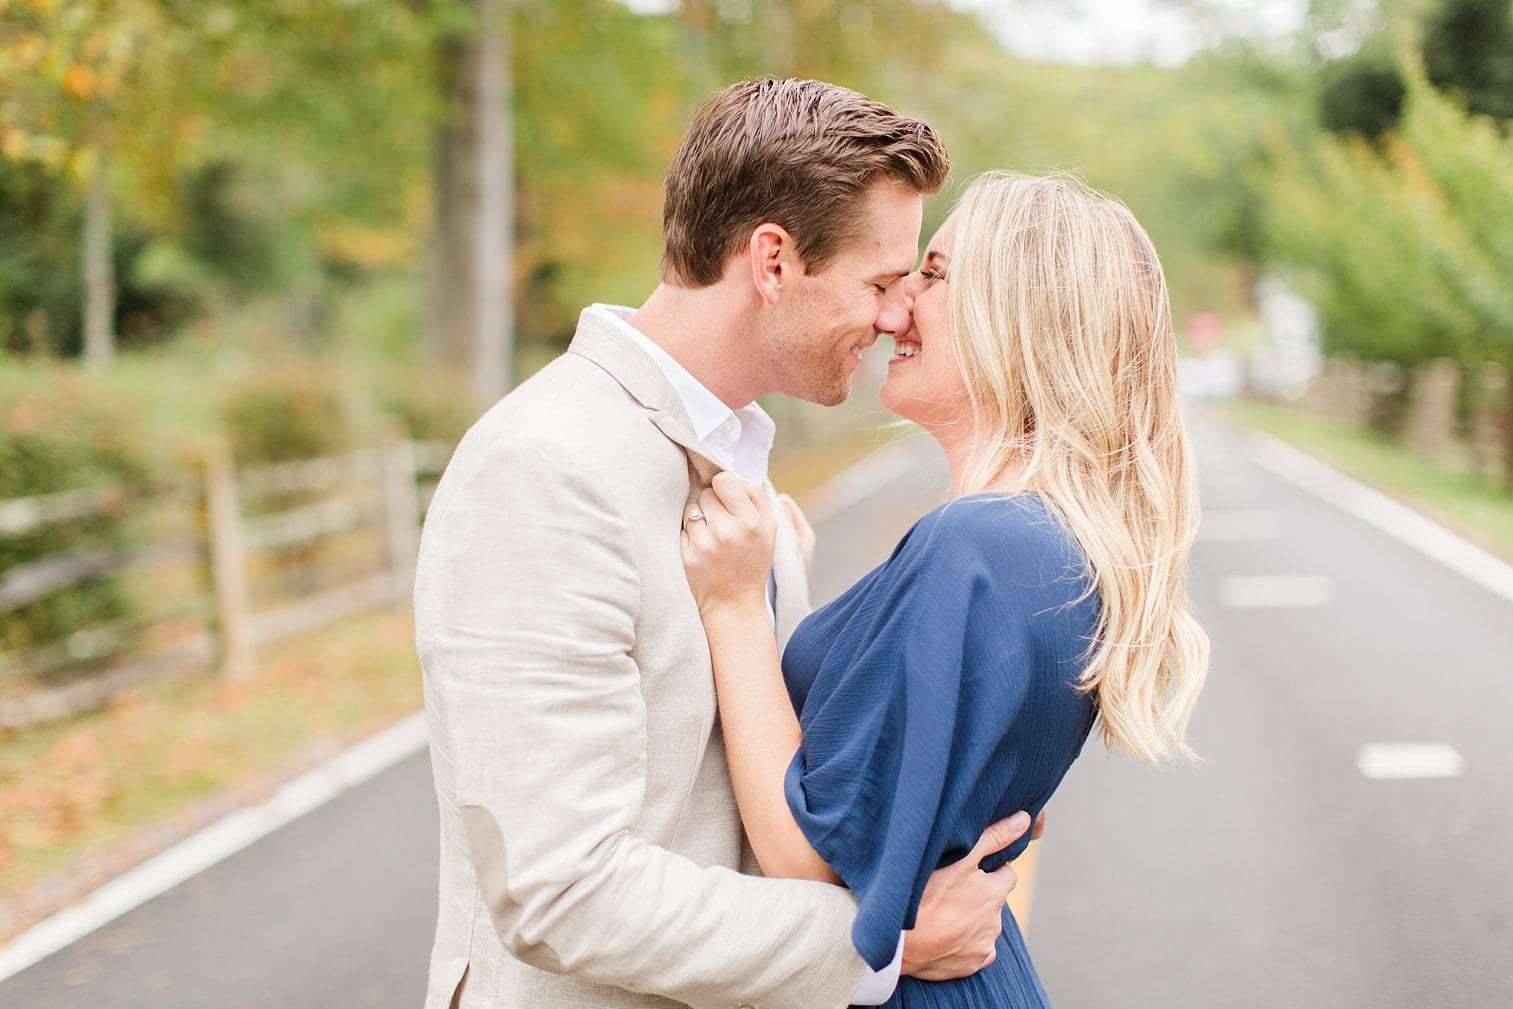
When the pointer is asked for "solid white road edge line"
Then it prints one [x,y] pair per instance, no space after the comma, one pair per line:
[367,759]
[1380,511]
[215,843]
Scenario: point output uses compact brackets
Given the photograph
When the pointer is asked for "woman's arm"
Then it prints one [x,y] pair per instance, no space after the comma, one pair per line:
[728,554]
[761,737]
[727,551]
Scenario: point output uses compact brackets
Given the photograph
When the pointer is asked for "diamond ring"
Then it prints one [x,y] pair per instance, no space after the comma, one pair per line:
[695,515]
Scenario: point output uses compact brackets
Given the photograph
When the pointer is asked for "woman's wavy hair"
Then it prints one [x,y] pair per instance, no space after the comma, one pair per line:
[1063,332]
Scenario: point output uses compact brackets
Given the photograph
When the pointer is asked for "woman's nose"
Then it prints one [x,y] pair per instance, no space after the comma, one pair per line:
[913,284]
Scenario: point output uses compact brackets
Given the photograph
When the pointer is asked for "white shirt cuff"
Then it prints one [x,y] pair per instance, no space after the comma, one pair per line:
[877,987]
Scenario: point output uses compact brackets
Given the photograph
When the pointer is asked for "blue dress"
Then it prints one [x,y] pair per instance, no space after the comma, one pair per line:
[936,696]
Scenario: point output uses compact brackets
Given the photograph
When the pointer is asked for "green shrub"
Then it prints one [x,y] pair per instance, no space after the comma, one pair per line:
[430,405]
[293,412]
[56,435]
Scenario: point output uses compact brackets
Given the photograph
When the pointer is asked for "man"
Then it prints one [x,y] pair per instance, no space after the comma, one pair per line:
[590,838]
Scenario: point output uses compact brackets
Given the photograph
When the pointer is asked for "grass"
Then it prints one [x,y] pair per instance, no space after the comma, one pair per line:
[80,800]
[72,790]
[1448,491]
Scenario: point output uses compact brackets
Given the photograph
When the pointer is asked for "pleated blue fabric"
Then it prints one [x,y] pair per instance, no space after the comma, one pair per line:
[936,696]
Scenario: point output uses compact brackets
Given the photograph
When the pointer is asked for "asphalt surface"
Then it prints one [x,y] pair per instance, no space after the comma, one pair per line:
[333,911]
[1274,874]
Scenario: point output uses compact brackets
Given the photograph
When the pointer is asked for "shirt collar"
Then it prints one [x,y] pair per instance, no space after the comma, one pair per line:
[706,411]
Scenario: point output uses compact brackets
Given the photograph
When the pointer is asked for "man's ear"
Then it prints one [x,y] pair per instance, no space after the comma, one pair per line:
[773,261]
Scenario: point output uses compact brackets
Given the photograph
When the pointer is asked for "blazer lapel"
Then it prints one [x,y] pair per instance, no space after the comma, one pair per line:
[792,581]
[639,374]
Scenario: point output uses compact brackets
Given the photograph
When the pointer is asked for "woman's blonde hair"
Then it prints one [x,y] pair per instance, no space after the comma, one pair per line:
[1063,333]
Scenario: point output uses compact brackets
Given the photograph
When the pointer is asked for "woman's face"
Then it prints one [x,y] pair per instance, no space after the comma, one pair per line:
[924,383]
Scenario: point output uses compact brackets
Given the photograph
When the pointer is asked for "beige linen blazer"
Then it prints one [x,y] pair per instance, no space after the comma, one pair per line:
[591,849]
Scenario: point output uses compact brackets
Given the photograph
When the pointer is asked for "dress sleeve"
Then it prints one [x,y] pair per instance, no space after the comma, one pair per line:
[905,714]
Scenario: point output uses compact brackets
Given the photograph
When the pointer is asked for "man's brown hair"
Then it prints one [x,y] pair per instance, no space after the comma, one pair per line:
[796,153]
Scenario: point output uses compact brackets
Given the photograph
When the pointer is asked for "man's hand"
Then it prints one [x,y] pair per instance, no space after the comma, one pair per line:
[961,913]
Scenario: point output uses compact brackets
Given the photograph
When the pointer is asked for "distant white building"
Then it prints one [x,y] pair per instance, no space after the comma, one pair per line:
[1291,357]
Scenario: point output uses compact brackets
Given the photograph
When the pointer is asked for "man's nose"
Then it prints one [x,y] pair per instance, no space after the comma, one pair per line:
[896,315]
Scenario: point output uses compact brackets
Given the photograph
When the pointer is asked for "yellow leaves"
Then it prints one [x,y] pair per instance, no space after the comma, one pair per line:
[19,145]
[28,52]
[94,48]
[13,143]
[78,783]
[374,248]
[220,21]
[83,162]
[81,82]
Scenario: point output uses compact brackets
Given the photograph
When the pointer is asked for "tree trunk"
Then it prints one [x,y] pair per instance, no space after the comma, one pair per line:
[493,318]
[449,295]
[99,275]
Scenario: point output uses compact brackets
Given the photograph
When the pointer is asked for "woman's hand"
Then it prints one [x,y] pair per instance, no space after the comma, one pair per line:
[801,529]
[727,552]
[728,544]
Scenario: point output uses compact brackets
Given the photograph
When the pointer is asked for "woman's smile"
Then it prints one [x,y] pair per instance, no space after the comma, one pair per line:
[904,349]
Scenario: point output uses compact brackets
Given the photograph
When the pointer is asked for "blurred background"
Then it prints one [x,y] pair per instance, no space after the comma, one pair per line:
[263,261]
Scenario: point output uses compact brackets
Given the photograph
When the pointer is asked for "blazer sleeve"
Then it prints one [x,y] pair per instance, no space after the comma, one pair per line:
[526,608]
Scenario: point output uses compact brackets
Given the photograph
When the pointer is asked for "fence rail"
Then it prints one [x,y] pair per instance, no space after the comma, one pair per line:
[206,569]
[1438,410]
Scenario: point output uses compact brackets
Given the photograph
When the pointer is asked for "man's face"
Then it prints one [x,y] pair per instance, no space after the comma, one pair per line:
[835,314]
[925,383]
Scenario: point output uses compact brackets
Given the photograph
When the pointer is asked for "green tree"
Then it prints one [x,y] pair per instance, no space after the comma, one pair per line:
[1468,47]
[1404,246]
[1363,95]
[78,78]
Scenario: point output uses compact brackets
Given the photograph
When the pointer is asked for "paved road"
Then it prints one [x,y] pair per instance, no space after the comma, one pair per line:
[1277,874]
[1274,875]
[334,911]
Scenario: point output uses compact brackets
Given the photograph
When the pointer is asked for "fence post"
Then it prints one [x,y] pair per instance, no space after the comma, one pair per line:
[1432,398]
[403,515]
[228,563]
[1489,402]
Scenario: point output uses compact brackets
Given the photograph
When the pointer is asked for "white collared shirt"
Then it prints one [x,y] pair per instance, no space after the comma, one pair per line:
[740,441]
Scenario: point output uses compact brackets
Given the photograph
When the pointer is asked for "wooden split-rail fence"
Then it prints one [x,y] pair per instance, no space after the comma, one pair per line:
[204,570]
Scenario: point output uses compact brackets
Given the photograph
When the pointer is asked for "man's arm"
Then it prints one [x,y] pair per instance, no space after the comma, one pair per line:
[526,610]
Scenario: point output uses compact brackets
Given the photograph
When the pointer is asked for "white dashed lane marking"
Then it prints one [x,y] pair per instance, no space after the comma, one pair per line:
[1245,592]
[1406,761]
[1239,525]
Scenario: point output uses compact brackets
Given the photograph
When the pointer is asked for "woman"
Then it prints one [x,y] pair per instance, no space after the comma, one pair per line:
[957,682]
